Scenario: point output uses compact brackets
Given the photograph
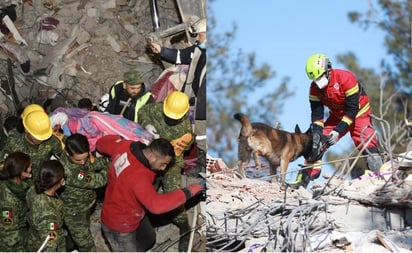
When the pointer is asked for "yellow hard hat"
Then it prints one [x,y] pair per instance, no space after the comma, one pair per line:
[38,124]
[31,108]
[176,105]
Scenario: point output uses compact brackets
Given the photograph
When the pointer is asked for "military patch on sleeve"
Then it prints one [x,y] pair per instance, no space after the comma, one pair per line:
[7,221]
[52,226]
[80,176]
[53,235]
[7,217]
[6,214]
[88,179]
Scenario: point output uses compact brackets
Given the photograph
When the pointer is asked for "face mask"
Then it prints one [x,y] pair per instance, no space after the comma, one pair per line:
[322,82]
[202,45]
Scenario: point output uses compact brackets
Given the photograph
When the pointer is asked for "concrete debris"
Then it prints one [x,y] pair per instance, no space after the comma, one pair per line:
[81,48]
[77,49]
[253,215]
[47,37]
[13,30]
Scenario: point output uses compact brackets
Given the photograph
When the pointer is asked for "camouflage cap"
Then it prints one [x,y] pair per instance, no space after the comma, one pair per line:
[133,77]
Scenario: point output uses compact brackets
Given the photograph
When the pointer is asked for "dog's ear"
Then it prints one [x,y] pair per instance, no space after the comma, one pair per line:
[297,129]
[309,131]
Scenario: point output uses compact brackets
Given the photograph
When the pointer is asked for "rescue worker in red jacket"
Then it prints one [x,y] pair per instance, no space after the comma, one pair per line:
[349,111]
[130,192]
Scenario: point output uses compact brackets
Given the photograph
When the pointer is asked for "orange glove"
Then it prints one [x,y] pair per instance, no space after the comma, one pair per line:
[181,143]
[59,135]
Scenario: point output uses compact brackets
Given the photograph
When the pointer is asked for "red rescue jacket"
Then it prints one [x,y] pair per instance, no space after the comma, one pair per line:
[130,191]
[344,97]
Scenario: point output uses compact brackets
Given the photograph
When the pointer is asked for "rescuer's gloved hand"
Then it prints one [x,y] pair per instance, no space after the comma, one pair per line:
[151,129]
[333,137]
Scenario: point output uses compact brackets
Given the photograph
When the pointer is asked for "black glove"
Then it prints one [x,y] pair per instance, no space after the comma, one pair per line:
[316,152]
[316,143]
[194,190]
[316,133]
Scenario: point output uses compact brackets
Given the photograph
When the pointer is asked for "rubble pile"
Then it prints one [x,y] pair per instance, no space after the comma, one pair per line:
[251,215]
[73,49]
[79,49]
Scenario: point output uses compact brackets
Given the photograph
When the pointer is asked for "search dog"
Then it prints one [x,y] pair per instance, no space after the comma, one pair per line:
[277,146]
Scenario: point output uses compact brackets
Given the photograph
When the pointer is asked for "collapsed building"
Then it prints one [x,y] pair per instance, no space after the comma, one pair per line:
[56,52]
[367,214]
[74,49]
[77,49]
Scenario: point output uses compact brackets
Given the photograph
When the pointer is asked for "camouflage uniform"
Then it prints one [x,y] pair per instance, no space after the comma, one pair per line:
[79,196]
[13,208]
[152,114]
[45,217]
[38,153]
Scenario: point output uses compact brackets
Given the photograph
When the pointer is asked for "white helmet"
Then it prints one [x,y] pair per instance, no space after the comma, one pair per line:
[104,102]
[198,26]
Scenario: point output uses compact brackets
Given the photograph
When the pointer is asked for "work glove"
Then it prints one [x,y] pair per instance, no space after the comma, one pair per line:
[180,144]
[316,142]
[316,152]
[333,137]
[194,190]
[59,118]
[151,129]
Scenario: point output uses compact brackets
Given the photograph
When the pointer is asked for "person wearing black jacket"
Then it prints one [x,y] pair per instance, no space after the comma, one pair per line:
[195,84]
[129,95]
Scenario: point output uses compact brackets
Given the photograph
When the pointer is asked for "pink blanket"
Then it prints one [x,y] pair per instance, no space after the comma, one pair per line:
[94,125]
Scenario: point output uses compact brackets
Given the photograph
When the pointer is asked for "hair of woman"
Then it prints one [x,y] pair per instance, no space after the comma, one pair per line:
[51,172]
[77,144]
[14,165]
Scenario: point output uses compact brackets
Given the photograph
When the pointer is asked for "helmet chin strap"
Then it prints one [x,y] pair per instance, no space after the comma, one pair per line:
[328,72]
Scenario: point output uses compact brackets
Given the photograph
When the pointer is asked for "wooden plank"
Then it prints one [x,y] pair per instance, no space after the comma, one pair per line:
[388,244]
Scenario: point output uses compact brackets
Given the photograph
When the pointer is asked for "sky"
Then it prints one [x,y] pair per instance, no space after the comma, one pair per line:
[285,33]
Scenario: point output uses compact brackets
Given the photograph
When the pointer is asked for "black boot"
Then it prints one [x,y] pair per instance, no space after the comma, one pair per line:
[374,162]
[200,164]
[184,231]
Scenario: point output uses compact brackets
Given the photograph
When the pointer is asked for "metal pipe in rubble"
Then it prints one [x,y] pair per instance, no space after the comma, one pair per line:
[155,14]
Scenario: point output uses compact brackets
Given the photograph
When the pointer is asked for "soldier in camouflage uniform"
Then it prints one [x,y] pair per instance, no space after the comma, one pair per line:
[45,214]
[13,208]
[37,141]
[10,123]
[84,174]
[129,95]
[169,120]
